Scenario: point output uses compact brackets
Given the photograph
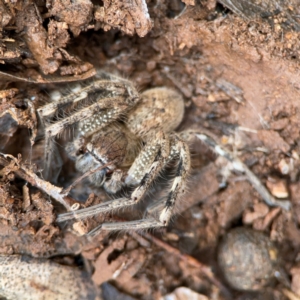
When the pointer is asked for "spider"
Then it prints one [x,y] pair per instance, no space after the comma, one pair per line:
[123,138]
[134,152]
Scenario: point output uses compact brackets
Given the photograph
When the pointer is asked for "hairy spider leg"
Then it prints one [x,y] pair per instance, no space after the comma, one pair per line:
[179,184]
[179,151]
[118,87]
[89,117]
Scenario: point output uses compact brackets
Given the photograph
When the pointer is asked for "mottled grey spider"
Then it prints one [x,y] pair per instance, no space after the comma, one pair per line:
[130,136]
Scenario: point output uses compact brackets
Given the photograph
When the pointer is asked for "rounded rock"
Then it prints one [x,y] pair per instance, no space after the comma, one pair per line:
[248,259]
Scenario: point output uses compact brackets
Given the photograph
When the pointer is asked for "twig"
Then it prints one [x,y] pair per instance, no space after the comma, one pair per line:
[268,198]
[33,179]
[66,191]
[238,165]
[190,260]
[290,295]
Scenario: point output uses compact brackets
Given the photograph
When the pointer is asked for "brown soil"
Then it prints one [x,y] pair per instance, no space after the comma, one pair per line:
[240,81]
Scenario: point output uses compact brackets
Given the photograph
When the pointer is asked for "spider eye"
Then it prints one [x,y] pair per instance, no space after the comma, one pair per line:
[80,151]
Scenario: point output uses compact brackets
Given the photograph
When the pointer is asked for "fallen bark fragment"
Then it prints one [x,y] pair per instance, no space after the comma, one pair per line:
[76,13]
[29,21]
[32,278]
[129,16]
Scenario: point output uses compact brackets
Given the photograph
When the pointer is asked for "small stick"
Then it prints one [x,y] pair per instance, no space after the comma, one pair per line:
[190,260]
[66,191]
[33,179]
[238,165]
[26,197]
[290,295]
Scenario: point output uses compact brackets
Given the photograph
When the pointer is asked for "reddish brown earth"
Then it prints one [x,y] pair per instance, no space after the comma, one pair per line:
[199,52]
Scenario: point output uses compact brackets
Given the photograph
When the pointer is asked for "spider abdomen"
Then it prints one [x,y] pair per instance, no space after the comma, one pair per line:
[159,108]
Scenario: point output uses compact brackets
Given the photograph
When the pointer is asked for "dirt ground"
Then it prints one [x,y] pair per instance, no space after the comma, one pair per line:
[240,82]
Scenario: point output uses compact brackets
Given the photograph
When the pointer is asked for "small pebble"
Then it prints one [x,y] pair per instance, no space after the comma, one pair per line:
[278,188]
[248,259]
[284,167]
